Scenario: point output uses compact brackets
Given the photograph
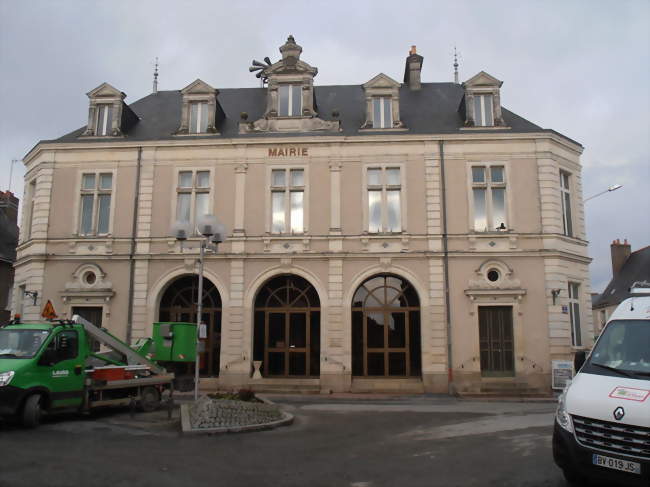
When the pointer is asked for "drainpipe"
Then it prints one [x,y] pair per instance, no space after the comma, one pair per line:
[134,229]
[445,266]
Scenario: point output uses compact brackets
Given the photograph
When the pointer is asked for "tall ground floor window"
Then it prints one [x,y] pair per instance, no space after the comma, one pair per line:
[287,328]
[386,328]
[179,304]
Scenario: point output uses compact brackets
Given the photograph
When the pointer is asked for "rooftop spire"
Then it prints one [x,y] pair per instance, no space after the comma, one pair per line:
[155,77]
[455,66]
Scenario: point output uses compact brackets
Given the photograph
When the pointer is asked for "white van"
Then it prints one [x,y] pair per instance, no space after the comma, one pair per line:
[602,424]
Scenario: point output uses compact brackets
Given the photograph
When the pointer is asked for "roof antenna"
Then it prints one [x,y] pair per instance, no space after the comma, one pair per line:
[155,77]
[455,66]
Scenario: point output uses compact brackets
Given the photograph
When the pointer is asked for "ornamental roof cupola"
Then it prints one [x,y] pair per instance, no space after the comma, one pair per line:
[290,51]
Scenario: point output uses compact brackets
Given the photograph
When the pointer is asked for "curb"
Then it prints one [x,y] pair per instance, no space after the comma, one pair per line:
[186,426]
[479,398]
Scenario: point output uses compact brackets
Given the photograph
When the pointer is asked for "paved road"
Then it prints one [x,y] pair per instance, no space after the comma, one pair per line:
[335,441]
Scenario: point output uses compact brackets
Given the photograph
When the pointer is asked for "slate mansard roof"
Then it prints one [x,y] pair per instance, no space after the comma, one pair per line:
[434,109]
[635,269]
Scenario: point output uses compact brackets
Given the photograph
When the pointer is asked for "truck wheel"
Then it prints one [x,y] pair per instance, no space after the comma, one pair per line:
[32,411]
[149,399]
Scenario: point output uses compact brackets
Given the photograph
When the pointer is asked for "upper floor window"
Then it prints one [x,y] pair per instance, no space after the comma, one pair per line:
[201,112]
[290,100]
[384,186]
[483,111]
[565,195]
[382,116]
[489,198]
[574,313]
[104,122]
[482,103]
[287,200]
[108,115]
[96,192]
[198,118]
[382,104]
[192,195]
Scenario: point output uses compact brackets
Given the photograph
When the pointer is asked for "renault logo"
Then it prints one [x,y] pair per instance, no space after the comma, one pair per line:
[619,412]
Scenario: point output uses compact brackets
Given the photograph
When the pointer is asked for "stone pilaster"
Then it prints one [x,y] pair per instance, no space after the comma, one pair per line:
[335,366]
[236,338]
[335,197]
[41,202]
[140,327]
[32,276]
[240,198]
[434,332]
[559,324]
[549,191]
[145,204]
[433,201]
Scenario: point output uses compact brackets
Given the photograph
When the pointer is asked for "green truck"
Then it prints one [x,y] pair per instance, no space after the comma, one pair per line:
[54,366]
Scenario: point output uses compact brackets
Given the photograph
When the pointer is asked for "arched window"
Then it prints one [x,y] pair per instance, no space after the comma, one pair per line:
[287,328]
[386,328]
[179,304]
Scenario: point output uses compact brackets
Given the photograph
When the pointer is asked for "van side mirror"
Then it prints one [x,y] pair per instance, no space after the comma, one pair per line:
[48,357]
[579,360]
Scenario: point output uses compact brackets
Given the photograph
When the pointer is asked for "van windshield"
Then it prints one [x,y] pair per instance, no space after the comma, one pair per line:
[21,343]
[624,346]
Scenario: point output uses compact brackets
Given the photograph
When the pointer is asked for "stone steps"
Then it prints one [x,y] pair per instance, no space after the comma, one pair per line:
[505,388]
[401,386]
[308,386]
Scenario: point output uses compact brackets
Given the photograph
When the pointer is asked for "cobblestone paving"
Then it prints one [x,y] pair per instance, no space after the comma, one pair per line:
[222,413]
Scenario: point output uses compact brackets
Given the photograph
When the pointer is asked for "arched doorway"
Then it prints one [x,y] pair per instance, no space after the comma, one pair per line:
[287,328]
[386,328]
[179,304]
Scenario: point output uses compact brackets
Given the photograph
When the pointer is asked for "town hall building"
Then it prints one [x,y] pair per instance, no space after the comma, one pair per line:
[383,236]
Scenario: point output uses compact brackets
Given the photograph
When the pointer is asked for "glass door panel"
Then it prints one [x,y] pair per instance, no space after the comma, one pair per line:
[276,334]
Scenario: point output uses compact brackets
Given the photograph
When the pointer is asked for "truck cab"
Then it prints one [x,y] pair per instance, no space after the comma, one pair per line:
[41,367]
[45,367]
[602,424]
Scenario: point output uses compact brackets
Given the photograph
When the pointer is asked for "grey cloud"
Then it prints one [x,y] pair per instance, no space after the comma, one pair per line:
[578,67]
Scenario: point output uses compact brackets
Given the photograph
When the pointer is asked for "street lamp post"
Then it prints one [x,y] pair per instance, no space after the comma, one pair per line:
[613,187]
[212,232]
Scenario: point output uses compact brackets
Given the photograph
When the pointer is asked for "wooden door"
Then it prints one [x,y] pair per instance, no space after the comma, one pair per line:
[496,341]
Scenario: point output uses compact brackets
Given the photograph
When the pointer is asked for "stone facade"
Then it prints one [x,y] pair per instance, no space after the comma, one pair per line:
[437,250]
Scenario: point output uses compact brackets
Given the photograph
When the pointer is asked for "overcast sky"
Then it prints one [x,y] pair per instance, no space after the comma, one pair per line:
[578,67]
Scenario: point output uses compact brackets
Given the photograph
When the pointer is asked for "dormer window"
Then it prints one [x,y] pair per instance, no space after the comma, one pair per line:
[198,117]
[108,115]
[201,112]
[483,111]
[290,100]
[481,105]
[104,122]
[382,112]
[382,104]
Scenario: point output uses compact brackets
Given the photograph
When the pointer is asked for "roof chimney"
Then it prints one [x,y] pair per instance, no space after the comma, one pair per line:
[413,69]
[620,254]
[9,206]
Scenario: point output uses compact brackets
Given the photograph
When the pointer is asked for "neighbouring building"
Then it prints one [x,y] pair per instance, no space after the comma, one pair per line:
[628,268]
[382,236]
[8,243]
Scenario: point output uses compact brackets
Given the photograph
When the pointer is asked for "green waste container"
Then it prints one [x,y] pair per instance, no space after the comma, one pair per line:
[174,342]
